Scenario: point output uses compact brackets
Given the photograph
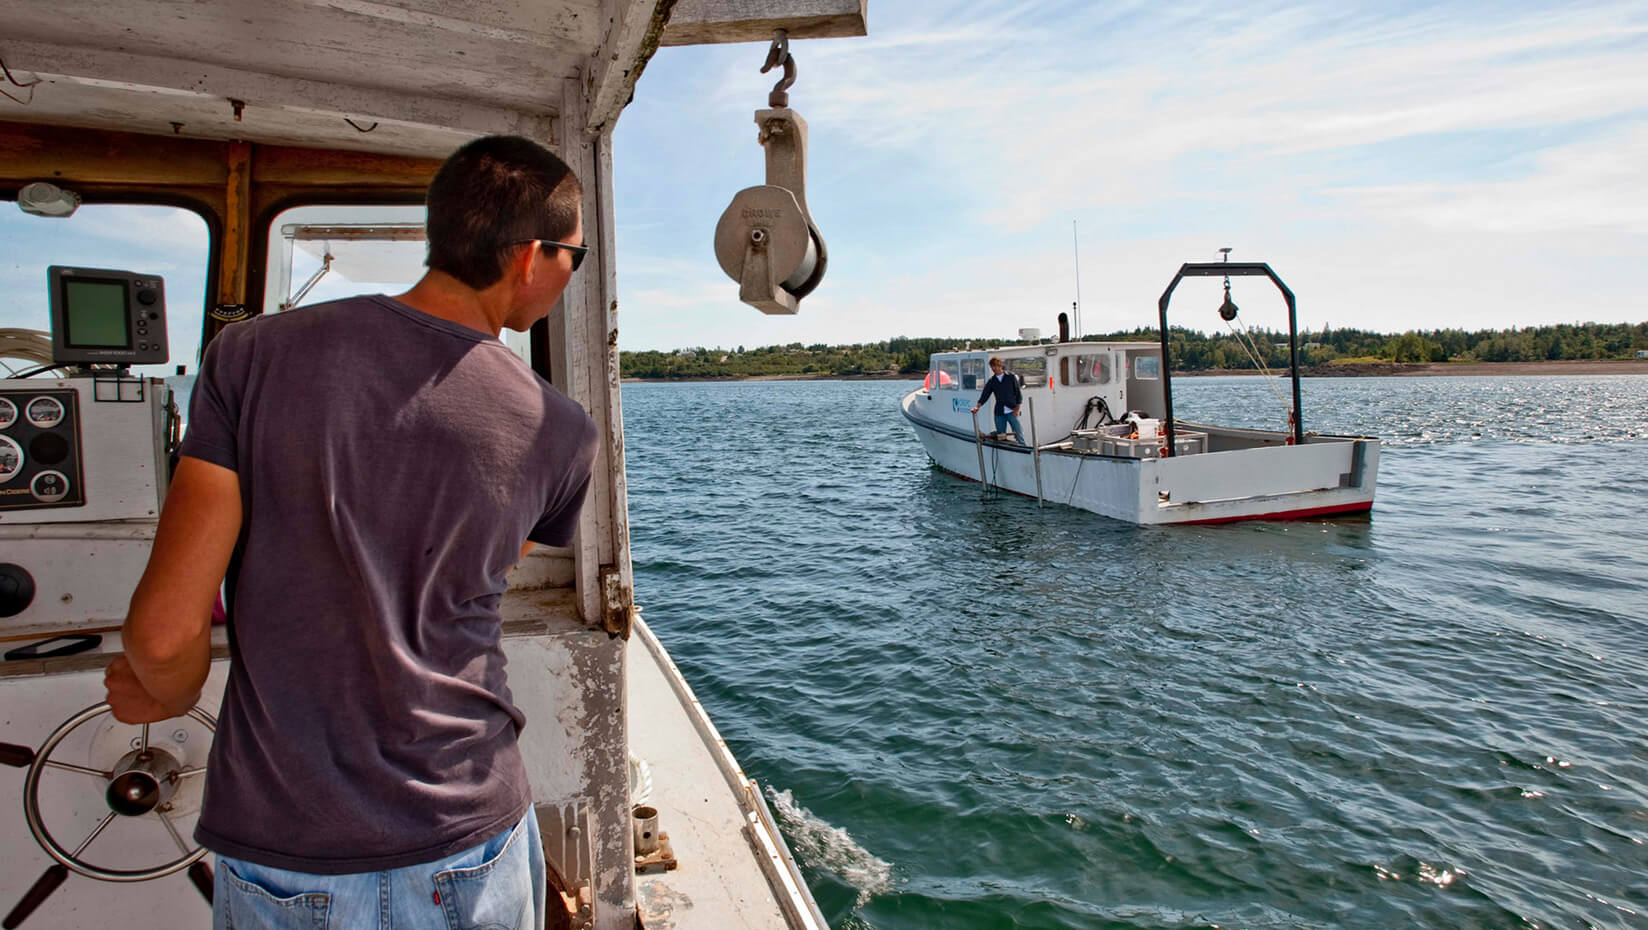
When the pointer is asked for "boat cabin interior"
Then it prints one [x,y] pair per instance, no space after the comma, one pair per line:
[252,156]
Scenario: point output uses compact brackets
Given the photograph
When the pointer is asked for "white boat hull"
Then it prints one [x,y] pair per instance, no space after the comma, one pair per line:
[1327,475]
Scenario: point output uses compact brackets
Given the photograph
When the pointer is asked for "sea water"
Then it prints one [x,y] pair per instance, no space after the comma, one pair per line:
[974,712]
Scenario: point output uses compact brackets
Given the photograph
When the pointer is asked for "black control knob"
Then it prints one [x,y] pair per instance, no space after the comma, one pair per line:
[146,297]
[16,589]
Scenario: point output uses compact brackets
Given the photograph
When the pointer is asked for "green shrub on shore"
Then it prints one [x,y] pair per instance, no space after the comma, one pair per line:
[1191,350]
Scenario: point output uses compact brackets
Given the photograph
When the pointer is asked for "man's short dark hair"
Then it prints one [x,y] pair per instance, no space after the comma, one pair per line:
[495,192]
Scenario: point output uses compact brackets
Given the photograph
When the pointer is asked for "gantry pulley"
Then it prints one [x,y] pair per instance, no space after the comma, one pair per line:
[766,240]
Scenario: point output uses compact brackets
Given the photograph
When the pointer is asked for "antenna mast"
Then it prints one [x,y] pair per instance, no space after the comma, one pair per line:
[1075,240]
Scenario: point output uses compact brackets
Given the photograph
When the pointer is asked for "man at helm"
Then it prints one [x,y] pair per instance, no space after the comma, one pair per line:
[366,471]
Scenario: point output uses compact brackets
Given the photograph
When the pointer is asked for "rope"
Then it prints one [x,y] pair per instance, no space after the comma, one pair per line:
[27,344]
[1081,461]
[1253,353]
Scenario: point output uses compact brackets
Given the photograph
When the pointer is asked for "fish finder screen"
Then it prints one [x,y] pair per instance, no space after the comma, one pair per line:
[96,314]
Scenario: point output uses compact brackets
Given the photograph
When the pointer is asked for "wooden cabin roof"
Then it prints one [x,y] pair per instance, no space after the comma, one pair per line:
[413,77]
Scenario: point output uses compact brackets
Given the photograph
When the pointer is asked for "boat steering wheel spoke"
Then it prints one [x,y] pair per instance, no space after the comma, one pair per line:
[84,770]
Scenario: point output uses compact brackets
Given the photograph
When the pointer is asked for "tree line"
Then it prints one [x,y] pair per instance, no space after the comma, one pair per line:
[1191,350]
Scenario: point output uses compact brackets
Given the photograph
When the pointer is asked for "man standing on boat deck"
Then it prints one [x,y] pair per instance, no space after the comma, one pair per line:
[1005,387]
[374,465]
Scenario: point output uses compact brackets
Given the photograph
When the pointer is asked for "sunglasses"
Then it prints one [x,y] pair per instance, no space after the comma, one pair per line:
[578,251]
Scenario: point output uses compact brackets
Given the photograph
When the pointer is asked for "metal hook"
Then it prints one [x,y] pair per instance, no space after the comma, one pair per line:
[779,54]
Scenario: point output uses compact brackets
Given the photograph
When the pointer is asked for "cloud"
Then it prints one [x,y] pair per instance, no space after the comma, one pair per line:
[1401,167]
[1065,134]
[1594,184]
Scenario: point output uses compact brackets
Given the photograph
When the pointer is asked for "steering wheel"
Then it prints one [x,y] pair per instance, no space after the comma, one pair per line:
[143,781]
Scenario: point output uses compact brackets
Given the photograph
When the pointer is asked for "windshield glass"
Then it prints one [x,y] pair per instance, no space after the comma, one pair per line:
[321,253]
[1032,370]
[171,243]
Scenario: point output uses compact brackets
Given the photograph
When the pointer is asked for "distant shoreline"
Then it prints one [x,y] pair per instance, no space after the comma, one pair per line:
[1622,366]
[1354,370]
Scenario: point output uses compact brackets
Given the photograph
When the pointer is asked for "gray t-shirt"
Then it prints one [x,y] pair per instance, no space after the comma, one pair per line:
[391,465]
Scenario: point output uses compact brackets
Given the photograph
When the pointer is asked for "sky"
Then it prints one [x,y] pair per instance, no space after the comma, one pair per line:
[1400,166]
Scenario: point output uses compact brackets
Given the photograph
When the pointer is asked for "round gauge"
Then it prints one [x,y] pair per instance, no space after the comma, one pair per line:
[8,413]
[44,412]
[49,486]
[11,459]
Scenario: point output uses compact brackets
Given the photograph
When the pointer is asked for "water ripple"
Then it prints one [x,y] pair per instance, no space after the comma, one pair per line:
[978,713]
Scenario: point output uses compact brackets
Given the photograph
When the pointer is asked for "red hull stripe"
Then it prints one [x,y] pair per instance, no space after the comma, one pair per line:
[1358,507]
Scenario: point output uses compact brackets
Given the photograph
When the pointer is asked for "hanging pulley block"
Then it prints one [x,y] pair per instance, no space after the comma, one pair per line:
[766,239]
[765,243]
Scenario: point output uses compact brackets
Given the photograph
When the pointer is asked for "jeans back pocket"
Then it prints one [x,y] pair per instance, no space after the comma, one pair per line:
[497,894]
[248,905]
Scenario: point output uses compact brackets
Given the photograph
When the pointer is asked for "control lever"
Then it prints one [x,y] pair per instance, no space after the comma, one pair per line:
[201,874]
[54,876]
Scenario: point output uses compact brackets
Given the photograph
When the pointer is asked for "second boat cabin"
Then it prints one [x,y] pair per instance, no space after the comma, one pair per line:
[1066,386]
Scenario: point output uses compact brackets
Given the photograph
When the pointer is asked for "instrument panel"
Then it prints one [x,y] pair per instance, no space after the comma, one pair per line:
[83,468]
[40,454]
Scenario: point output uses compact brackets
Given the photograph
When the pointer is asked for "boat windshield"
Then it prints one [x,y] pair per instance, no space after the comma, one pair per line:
[171,242]
[320,253]
[1031,370]
[949,375]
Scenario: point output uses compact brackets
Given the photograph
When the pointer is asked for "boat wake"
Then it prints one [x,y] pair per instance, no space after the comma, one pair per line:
[823,846]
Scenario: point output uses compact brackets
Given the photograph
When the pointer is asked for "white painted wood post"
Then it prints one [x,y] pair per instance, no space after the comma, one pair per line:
[978,444]
[1035,448]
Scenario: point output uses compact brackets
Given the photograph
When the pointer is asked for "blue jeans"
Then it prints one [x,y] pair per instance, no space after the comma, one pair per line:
[498,885]
[1002,421]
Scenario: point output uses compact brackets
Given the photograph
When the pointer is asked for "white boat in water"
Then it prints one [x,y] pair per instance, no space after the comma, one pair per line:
[1102,435]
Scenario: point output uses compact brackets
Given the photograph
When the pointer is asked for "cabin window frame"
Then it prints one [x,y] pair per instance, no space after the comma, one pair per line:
[1030,370]
[949,367]
[257,266]
[1088,364]
[1147,368]
[974,367]
[269,235]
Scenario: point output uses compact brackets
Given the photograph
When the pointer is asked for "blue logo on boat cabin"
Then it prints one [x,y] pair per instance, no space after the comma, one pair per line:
[958,404]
